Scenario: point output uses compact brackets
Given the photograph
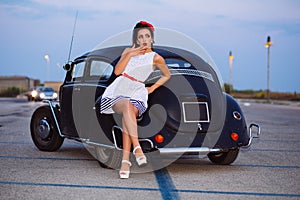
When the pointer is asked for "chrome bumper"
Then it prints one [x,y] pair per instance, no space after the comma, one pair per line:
[209,150]
[251,134]
[183,150]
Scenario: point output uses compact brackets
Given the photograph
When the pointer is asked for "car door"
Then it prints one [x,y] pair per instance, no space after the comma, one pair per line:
[70,99]
[98,73]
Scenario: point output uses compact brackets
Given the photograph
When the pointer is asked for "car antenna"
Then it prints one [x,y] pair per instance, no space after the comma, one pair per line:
[72,37]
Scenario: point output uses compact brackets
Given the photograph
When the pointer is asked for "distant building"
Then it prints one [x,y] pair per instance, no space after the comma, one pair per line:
[21,82]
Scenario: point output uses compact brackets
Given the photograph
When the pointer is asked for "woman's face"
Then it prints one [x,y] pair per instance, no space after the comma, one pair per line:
[144,38]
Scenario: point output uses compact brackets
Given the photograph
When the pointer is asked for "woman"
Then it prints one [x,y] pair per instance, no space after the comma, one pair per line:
[128,96]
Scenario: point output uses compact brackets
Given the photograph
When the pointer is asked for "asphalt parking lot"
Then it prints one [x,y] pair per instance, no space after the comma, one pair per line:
[269,170]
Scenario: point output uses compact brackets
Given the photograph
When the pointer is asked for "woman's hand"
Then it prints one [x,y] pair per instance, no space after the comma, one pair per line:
[133,51]
[150,90]
[125,57]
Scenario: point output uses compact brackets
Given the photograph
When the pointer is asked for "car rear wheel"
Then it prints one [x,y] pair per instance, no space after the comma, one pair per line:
[109,158]
[224,158]
[44,132]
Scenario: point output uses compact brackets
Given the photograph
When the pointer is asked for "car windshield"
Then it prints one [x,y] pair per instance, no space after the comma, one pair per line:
[46,89]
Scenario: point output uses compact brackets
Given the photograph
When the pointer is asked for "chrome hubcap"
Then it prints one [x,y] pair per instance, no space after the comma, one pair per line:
[43,129]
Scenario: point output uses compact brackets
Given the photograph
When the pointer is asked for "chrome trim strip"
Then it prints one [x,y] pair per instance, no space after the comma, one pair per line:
[99,145]
[54,116]
[156,74]
[85,84]
[181,150]
[184,113]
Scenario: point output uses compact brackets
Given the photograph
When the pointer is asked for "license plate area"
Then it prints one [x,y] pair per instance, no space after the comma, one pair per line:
[195,112]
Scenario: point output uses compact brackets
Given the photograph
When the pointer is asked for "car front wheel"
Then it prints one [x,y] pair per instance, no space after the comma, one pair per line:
[43,129]
[224,158]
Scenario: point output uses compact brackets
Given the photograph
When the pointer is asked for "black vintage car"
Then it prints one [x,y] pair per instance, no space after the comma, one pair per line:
[190,114]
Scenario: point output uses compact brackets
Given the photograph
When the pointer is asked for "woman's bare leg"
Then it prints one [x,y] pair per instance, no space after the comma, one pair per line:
[126,149]
[129,113]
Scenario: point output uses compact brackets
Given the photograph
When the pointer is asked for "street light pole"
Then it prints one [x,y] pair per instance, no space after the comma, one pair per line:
[268,45]
[230,69]
[47,58]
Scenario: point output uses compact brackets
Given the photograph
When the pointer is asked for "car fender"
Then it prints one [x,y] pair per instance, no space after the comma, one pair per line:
[234,123]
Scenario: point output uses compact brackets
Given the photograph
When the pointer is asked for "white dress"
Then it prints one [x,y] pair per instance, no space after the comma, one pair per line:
[138,67]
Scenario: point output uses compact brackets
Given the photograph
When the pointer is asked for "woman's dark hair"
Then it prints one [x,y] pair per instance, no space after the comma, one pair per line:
[140,25]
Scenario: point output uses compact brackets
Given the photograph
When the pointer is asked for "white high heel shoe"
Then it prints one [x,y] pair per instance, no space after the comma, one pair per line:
[141,160]
[125,174]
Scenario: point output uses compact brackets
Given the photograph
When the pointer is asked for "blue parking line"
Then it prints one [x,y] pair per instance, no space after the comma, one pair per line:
[279,140]
[173,191]
[242,150]
[266,166]
[76,186]
[166,186]
[31,143]
[47,158]
[1,142]
[165,176]
[241,193]
[275,150]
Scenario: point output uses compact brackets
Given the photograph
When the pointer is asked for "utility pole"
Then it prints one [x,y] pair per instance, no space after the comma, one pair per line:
[268,45]
[230,70]
[47,58]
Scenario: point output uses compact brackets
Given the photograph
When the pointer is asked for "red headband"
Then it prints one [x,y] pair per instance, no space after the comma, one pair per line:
[147,24]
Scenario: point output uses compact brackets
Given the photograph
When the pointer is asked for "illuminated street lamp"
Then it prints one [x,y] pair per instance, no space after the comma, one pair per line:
[47,58]
[268,45]
[230,68]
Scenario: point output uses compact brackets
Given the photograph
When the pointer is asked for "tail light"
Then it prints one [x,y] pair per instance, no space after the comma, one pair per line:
[159,138]
[234,136]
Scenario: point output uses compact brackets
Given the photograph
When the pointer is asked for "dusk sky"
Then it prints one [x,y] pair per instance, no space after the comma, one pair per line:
[31,29]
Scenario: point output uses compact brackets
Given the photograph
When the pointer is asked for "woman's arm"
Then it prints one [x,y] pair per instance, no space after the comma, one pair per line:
[160,64]
[125,57]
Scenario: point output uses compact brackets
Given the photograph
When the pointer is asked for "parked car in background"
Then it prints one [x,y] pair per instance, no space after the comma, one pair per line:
[41,93]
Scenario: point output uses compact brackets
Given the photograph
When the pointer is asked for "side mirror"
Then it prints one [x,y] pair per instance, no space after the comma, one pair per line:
[68,66]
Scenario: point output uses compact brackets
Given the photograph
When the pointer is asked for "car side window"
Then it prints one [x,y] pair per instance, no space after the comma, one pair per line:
[100,70]
[78,71]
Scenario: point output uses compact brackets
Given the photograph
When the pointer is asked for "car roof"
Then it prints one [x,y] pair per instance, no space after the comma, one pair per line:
[113,53]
